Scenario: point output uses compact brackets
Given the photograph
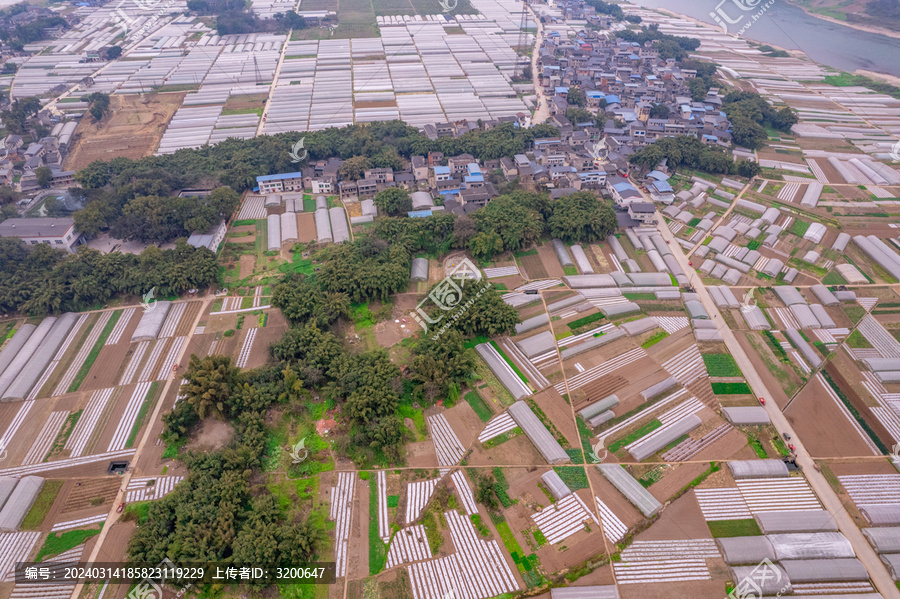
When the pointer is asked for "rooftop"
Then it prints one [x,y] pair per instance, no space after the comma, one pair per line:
[36,227]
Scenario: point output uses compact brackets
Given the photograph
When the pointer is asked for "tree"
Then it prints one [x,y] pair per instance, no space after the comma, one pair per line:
[748,168]
[659,111]
[208,384]
[579,115]
[99,105]
[439,364]
[582,217]
[784,119]
[576,97]
[393,201]
[354,168]
[303,302]
[747,133]
[113,52]
[44,176]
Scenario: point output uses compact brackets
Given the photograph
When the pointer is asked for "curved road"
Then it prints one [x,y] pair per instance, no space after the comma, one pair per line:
[880,577]
[542,112]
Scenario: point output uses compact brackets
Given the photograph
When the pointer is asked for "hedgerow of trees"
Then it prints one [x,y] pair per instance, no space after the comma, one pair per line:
[144,209]
[237,163]
[39,280]
[749,113]
[669,46]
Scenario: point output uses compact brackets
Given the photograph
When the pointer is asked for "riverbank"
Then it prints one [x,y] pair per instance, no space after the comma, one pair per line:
[858,26]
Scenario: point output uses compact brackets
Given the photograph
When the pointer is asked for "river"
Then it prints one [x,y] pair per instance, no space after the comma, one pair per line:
[789,27]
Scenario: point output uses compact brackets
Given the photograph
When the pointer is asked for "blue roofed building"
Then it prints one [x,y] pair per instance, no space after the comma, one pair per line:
[280,182]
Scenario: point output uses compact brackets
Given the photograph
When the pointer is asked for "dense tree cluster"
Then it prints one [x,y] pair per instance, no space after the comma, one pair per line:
[144,211]
[15,118]
[607,8]
[302,301]
[749,113]
[237,162]
[393,201]
[217,514]
[232,17]
[365,385]
[98,104]
[40,280]
[669,46]
[21,34]
[366,269]
[684,150]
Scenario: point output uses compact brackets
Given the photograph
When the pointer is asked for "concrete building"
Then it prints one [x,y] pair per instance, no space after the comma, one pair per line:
[58,232]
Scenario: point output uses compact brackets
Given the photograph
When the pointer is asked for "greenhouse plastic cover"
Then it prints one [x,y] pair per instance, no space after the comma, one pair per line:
[650,279]
[289,227]
[755,318]
[21,359]
[20,502]
[561,253]
[654,390]
[746,415]
[7,484]
[642,325]
[774,584]
[591,343]
[790,275]
[824,570]
[845,296]
[502,371]
[888,376]
[730,299]
[339,229]
[696,310]
[725,232]
[840,244]
[600,418]
[323,226]
[815,232]
[632,265]
[708,335]
[746,550]
[736,264]
[621,279]
[565,303]
[151,322]
[617,248]
[640,497]
[825,295]
[879,365]
[788,295]
[273,232]
[532,323]
[804,316]
[555,484]
[606,591]
[537,344]
[851,274]
[773,267]
[732,277]
[884,540]
[619,309]
[599,407]
[581,260]
[805,349]
[32,371]
[758,469]
[582,281]
[881,514]
[14,345]
[660,438]
[534,429]
[419,270]
[816,545]
[822,316]
[796,521]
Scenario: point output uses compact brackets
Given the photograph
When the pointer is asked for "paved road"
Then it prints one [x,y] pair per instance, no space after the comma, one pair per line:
[817,481]
[542,113]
